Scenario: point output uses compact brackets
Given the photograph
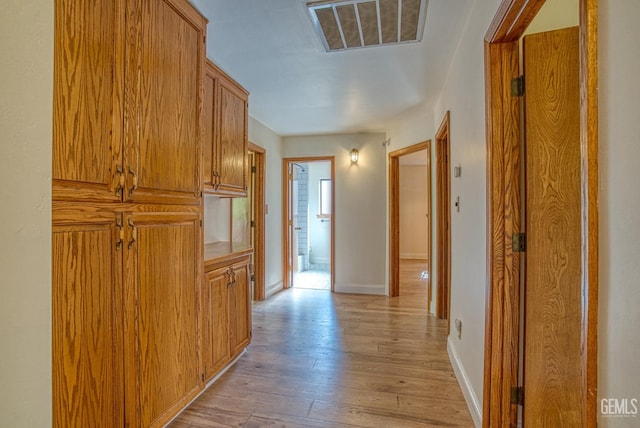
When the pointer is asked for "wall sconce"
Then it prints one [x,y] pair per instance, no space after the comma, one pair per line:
[354,155]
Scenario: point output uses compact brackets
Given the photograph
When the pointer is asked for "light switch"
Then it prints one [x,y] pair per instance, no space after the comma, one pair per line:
[457,204]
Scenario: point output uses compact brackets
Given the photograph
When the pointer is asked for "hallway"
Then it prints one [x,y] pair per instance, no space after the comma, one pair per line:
[326,360]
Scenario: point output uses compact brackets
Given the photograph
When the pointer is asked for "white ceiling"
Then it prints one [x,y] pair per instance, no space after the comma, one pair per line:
[297,88]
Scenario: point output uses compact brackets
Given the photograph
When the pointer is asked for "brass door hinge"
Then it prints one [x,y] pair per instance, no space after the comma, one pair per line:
[519,242]
[517,86]
[517,395]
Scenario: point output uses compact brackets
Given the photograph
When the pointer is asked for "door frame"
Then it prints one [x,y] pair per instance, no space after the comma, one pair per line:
[258,195]
[504,211]
[394,216]
[287,231]
[443,220]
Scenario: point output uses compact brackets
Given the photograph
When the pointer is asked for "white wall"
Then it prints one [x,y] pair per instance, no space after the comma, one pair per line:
[414,236]
[359,211]
[264,137]
[619,227]
[26,100]
[319,230]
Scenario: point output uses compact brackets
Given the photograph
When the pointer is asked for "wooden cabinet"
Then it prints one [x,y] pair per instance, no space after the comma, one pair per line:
[127,237]
[162,301]
[226,311]
[127,97]
[226,134]
[240,307]
[87,332]
[216,350]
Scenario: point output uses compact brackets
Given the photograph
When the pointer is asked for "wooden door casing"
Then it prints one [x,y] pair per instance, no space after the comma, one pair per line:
[88,378]
[88,100]
[553,305]
[162,294]
[163,129]
[210,110]
[216,348]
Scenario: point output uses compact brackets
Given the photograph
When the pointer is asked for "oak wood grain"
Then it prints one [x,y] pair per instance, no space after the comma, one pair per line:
[162,254]
[228,134]
[443,220]
[553,305]
[503,217]
[215,326]
[328,359]
[163,139]
[589,166]
[259,201]
[88,99]
[87,326]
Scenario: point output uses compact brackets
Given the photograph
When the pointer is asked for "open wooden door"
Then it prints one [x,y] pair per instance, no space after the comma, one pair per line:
[553,378]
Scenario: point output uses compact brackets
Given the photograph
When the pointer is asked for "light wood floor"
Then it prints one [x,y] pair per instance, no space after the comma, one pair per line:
[335,360]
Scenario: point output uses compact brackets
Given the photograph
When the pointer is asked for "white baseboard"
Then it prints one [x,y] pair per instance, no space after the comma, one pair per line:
[273,289]
[469,395]
[361,289]
[413,256]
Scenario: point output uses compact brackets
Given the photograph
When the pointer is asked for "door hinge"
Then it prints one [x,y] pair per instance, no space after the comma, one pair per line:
[202,377]
[517,86]
[200,223]
[253,169]
[519,242]
[517,395]
[253,223]
[253,278]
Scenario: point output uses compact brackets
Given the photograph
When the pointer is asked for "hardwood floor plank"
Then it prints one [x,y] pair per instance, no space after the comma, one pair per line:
[339,360]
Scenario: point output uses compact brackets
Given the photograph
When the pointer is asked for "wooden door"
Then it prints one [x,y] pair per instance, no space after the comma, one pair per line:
[232,147]
[165,64]
[88,100]
[240,307]
[553,311]
[216,349]
[88,382]
[162,259]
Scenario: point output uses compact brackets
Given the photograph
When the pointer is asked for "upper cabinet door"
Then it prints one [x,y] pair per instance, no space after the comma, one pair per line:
[163,121]
[226,134]
[233,142]
[88,100]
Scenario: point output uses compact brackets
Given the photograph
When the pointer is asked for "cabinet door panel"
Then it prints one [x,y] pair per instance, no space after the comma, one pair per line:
[87,322]
[232,140]
[163,283]
[216,321]
[209,112]
[164,130]
[88,99]
[240,314]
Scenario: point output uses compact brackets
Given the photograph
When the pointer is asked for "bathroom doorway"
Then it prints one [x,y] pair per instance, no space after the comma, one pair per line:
[308,198]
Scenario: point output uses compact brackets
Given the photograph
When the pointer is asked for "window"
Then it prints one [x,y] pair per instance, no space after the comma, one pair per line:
[325,198]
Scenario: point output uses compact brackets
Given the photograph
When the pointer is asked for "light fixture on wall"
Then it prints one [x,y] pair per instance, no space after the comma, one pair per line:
[354,155]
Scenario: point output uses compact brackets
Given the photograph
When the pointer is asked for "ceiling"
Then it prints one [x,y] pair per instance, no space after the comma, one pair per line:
[298,88]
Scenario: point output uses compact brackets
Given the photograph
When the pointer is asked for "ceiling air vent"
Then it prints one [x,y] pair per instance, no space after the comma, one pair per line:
[352,24]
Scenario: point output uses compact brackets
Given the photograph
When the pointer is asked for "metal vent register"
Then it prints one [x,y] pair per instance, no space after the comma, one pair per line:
[353,24]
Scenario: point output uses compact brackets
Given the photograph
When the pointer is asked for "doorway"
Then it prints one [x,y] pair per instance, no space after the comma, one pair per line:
[505,187]
[256,196]
[308,222]
[443,221]
[410,219]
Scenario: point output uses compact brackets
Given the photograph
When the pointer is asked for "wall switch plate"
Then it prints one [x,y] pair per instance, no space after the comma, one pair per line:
[457,171]
[457,203]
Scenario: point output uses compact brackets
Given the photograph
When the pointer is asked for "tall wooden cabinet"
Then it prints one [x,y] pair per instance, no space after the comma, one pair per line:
[127,237]
[226,134]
